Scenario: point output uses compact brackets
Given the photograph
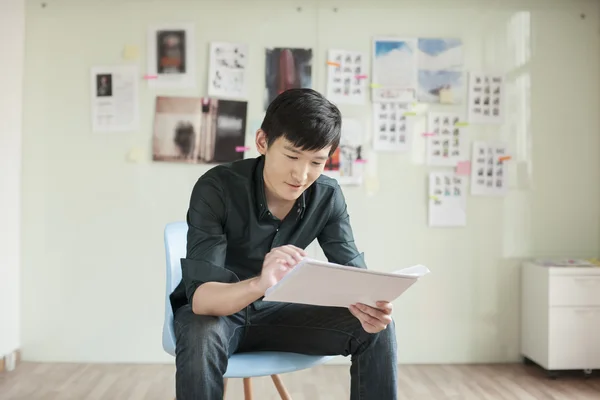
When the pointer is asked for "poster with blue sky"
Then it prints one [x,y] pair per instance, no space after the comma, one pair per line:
[394,70]
[440,73]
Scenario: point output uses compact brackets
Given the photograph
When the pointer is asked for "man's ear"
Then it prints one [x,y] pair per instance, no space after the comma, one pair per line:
[261,141]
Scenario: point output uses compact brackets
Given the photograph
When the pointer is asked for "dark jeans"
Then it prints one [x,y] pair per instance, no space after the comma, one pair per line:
[204,344]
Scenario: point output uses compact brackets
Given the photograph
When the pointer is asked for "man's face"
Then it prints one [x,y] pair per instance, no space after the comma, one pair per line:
[288,170]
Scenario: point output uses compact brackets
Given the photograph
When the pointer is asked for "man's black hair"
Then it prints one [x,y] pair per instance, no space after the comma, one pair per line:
[305,118]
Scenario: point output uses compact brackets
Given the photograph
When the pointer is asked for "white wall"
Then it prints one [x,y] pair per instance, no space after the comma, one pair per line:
[12,45]
[93,257]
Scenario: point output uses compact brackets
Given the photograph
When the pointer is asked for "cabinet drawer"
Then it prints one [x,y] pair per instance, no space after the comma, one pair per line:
[572,338]
[581,290]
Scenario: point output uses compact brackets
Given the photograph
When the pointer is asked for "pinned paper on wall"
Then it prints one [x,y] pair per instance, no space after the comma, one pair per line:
[440,71]
[392,127]
[488,172]
[171,56]
[115,99]
[447,199]
[394,69]
[227,70]
[198,130]
[347,163]
[447,145]
[486,98]
[346,79]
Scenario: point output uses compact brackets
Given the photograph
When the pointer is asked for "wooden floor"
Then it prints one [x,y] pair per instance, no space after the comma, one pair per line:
[328,382]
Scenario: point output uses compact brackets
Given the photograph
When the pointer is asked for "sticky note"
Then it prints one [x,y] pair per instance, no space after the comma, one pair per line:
[505,158]
[463,168]
[446,96]
[241,149]
[333,63]
[434,198]
[410,114]
[375,85]
[130,53]
[461,124]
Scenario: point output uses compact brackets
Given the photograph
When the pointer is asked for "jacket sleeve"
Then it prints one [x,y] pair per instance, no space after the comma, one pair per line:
[206,239]
[336,238]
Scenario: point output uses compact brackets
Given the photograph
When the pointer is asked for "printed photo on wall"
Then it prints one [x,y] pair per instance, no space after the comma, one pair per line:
[346,77]
[346,163]
[171,56]
[227,70]
[488,169]
[198,130]
[447,199]
[486,94]
[441,71]
[446,142]
[286,68]
[392,127]
[394,69]
[114,98]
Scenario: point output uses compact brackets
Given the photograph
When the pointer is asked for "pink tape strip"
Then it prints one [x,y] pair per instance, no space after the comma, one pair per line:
[241,149]
[361,161]
[361,76]
[429,134]
[150,77]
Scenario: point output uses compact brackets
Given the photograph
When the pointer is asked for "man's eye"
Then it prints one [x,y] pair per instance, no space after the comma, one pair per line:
[316,163]
[292,157]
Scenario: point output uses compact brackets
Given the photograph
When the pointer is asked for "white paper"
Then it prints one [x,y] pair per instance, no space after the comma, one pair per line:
[346,82]
[347,163]
[335,285]
[171,58]
[447,146]
[227,71]
[488,172]
[441,76]
[486,98]
[393,129]
[114,99]
[447,199]
[394,69]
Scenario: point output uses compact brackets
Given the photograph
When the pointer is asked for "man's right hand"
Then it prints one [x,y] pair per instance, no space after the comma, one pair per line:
[278,262]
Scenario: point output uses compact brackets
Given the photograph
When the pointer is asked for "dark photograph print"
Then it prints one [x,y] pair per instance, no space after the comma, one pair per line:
[103,85]
[170,52]
[198,130]
[286,68]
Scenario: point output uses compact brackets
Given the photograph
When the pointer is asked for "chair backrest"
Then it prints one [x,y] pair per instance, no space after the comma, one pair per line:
[175,237]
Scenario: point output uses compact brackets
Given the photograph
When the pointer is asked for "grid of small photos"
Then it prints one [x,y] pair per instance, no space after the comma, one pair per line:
[488,173]
[392,127]
[346,80]
[447,199]
[486,103]
[445,145]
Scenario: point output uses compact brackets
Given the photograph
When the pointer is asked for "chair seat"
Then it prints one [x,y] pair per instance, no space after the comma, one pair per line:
[265,363]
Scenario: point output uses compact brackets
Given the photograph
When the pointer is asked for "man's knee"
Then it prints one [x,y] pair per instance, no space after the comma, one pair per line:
[200,335]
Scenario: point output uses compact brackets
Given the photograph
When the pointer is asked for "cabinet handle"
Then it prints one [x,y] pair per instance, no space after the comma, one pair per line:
[587,280]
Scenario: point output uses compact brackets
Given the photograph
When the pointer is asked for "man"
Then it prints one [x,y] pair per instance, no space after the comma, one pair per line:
[249,222]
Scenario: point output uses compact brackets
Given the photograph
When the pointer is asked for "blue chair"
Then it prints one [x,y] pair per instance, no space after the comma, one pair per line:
[242,365]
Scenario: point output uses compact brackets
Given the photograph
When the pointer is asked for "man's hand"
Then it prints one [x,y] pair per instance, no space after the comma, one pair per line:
[278,262]
[373,320]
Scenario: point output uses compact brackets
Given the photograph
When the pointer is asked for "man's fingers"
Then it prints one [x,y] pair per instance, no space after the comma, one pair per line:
[379,315]
[367,319]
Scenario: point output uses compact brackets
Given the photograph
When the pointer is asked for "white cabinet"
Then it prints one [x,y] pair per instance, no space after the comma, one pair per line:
[560,317]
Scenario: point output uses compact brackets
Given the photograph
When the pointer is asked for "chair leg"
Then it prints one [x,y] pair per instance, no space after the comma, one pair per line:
[224,388]
[247,389]
[285,395]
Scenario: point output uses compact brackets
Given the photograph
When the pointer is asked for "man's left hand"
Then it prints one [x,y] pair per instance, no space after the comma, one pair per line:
[372,319]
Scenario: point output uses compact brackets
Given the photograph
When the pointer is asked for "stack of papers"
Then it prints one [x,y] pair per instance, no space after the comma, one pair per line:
[327,284]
